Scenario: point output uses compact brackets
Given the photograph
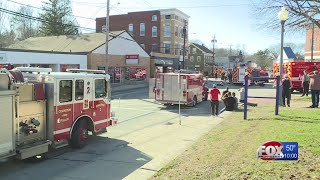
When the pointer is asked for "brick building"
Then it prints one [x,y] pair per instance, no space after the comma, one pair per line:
[160,32]
[316,44]
[142,26]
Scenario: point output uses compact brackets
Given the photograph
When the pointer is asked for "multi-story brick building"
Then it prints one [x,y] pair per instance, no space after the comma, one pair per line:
[160,32]
[316,45]
[143,26]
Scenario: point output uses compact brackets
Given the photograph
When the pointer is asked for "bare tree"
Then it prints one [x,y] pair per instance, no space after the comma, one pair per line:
[25,27]
[297,48]
[302,13]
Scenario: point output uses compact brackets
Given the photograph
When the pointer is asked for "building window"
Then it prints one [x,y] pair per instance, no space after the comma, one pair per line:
[194,50]
[177,31]
[198,58]
[154,18]
[168,17]
[143,46]
[167,47]
[100,88]
[176,17]
[167,30]
[154,31]
[155,47]
[103,28]
[181,33]
[79,89]
[191,59]
[130,29]
[177,49]
[65,91]
[142,29]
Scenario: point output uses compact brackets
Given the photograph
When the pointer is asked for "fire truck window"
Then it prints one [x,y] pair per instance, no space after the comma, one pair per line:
[65,91]
[100,88]
[79,89]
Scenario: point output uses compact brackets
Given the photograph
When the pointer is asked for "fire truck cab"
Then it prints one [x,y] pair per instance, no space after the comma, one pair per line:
[41,109]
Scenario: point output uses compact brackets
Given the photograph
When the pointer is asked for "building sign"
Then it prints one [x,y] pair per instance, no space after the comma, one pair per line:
[132,59]
[3,58]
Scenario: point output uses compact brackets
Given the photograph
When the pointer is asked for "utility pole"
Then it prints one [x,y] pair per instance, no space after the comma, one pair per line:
[107,36]
[312,41]
[184,42]
[213,53]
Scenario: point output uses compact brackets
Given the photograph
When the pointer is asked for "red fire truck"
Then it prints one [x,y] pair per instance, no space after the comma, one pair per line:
[169,89]
[41,109]
[295,71]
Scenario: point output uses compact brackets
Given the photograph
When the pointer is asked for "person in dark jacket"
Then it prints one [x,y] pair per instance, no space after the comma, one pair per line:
[286,90]
[230,102]
[315,88]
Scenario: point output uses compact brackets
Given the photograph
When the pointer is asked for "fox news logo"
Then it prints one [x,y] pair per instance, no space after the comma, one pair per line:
[274,150]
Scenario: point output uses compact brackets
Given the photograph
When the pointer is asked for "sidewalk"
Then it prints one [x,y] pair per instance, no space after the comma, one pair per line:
[167,141]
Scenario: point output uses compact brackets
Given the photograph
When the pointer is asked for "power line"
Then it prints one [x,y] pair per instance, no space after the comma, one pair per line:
[45,21]
[42,9]
[192,7]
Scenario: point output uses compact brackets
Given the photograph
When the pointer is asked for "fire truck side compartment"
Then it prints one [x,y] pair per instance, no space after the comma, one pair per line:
[7,116]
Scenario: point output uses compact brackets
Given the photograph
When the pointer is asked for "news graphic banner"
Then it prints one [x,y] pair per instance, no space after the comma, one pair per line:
[274,150]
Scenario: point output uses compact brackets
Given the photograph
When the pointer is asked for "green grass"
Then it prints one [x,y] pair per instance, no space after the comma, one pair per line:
[229,151]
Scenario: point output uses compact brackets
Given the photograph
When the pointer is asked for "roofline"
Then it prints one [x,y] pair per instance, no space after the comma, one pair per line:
[197,46]
[39,51]
[123,31]
[157,10]
[175,9]
[108,40]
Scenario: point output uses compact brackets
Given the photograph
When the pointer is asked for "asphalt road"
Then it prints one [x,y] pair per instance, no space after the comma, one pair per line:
[111,155]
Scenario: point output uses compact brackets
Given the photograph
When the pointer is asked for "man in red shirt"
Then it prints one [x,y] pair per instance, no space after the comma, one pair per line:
[214,100]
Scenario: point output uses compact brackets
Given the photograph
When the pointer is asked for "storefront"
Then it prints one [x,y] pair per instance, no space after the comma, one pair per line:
[31,58]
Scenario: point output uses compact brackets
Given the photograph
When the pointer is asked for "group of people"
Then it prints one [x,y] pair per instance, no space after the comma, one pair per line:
[229,98]
[226,76]
[310,81]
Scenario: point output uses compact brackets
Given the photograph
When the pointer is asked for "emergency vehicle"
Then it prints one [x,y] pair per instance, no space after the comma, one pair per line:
[169,89]
[41,109]
[295,71]
[238,74]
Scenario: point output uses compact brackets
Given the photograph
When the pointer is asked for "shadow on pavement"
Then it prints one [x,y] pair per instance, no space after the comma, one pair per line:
[102,158]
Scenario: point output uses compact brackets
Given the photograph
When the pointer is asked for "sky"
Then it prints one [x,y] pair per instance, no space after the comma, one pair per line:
[231,22]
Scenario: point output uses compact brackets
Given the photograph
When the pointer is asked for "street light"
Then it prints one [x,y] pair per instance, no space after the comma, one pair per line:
[282,16]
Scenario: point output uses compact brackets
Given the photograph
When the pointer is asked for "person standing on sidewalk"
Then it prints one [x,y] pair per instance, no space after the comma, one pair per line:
[286,90]
[315,88]
[214,100]
[305,83]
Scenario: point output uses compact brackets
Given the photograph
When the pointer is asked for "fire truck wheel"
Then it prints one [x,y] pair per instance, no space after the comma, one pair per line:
[79,134]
